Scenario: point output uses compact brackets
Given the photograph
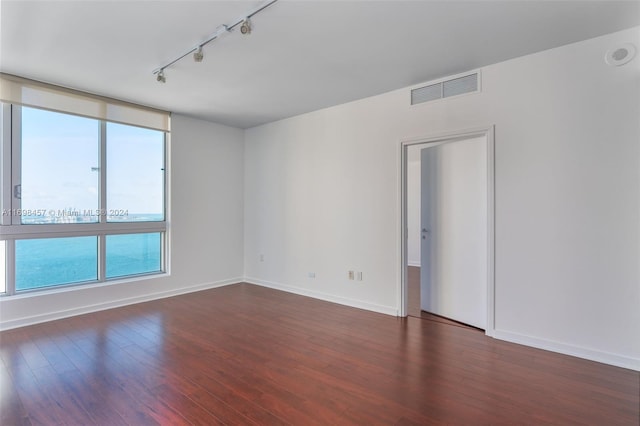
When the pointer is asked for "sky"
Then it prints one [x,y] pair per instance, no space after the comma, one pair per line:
[60,154]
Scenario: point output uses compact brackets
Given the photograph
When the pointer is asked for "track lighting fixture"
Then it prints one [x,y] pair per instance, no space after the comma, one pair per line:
[198,56]
[245,28]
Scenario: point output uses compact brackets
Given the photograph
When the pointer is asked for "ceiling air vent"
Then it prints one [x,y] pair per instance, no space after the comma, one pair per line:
[445,89]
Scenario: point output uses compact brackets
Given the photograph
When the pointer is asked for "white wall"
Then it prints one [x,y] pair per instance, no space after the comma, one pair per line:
[322,194]
[206,171]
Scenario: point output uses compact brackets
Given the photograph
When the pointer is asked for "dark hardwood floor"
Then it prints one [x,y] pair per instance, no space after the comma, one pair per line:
[413,290]
[243,354]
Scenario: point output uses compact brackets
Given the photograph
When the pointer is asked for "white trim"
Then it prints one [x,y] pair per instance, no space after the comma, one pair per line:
[166,253]
[5,162]
[491,233]
[488,134]
[452,136]
[388,310]
[24,232]
[414,263]
[51,316]
[71,287]
[571,350]
[403,232]
[16,162]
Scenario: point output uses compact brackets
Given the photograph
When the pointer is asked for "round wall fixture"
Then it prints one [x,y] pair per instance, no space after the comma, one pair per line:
[620,55]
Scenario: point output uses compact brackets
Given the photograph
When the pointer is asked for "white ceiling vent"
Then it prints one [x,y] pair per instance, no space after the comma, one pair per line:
[455,86]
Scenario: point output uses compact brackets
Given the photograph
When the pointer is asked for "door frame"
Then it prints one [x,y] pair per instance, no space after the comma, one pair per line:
[488,134]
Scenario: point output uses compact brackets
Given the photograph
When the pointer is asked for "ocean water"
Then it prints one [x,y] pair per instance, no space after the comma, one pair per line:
[56,261]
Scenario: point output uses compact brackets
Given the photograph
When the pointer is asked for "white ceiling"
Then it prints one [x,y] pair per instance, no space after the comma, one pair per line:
[301,56]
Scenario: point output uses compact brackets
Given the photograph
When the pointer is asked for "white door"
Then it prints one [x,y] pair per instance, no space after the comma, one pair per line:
[453,275]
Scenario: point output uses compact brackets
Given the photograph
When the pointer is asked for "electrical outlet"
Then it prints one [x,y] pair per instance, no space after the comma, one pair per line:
[311,275]
[359,276]
[351,275]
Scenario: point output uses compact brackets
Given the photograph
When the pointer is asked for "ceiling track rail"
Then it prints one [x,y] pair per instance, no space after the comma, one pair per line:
[222,29]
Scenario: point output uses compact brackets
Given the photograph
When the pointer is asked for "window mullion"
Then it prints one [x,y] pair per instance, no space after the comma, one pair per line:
[163,251]
[102,255]
[10,267]
[102,202]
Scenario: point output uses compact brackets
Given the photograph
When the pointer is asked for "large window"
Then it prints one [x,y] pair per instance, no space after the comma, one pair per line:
[83,200]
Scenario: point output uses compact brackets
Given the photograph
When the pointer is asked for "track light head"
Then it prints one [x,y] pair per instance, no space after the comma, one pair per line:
[245,28]
[160,78]
[198,56]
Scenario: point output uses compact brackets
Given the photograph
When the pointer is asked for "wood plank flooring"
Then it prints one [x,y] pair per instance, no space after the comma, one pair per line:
[413,290]
[245,355]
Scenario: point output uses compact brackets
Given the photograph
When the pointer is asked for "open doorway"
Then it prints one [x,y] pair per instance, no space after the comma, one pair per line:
[447,212]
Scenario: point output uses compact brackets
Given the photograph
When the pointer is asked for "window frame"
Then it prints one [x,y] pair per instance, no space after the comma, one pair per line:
[11,228]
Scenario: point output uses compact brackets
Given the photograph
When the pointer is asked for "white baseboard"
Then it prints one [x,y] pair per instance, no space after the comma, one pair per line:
[51,316]
[388,310]
[413,263]
[566,349]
